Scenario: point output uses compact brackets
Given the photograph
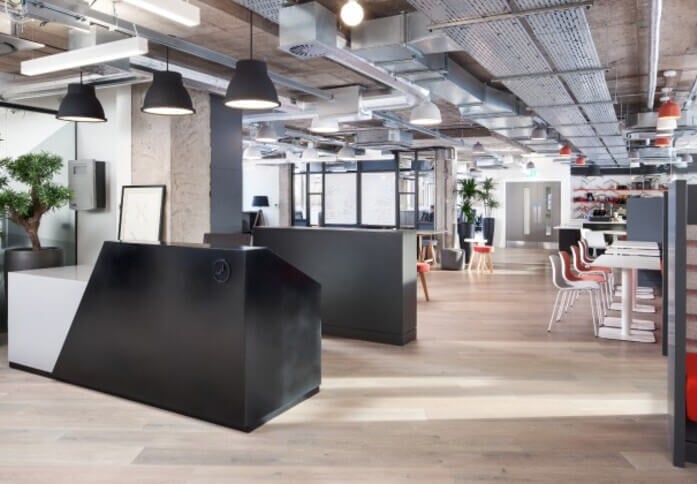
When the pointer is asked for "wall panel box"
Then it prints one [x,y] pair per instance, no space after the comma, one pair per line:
[87,180]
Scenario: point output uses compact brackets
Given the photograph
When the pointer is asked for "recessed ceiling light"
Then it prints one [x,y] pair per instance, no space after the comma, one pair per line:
[352,13]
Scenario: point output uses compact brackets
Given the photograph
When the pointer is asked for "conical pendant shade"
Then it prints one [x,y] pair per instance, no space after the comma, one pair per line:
[251,88]
[167,96]
[81,105]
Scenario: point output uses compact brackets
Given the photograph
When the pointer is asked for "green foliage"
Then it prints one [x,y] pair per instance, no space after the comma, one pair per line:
[26,207]
[467,192]
[486,195]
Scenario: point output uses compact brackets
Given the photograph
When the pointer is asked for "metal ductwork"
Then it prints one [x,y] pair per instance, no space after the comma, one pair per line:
[9,42]
[384,139]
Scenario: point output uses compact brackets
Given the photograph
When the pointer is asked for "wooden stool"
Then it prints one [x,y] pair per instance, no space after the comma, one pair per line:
[421,269]
[483,257]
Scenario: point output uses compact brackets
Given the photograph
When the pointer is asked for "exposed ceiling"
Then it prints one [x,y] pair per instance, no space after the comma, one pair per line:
[585,107]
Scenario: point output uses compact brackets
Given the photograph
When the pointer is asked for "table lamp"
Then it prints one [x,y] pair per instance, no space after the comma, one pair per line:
[259,201]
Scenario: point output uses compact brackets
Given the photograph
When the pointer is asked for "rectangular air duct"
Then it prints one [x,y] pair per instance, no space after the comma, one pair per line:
[383,139]
[307,30]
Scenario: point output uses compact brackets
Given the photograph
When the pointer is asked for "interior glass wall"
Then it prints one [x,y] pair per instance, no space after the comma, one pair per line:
[23,132]
[398,193]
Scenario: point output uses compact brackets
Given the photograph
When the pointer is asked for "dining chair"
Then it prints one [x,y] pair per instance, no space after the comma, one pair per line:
[570,276]
[567,293]
[421,269]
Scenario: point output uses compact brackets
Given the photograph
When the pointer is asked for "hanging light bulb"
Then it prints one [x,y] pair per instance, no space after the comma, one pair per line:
[167,95]
[352,13]
[324,125]
[425,114]
[251,88]
[81,105]
[478,149]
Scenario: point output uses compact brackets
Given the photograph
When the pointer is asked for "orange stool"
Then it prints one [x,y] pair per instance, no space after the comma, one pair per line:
[421,269]
[483,256]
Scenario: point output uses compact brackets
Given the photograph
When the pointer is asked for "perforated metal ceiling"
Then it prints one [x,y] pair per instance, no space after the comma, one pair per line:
[549,42]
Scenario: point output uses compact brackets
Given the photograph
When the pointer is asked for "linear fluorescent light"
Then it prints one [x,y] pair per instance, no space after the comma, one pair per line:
[174,10]
[96,54]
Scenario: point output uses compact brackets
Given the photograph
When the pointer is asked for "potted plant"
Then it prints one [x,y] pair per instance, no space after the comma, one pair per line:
[25,206]
[467,193]
[487,197]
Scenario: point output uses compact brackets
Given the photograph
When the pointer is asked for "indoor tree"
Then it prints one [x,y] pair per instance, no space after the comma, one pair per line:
[467,192]
[25,206]
[485,194]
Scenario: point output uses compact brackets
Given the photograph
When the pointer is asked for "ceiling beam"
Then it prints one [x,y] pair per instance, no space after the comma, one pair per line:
[511,15]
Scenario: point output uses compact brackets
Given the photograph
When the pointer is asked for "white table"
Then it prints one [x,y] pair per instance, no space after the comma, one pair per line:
[638,252]
[634,244]
[629,264]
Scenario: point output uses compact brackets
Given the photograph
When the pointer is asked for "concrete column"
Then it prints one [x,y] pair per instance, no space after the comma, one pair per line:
[175,152]
[445,195]
[284,195]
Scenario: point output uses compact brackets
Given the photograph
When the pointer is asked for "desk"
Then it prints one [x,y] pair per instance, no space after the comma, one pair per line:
[634,244]
[629,328]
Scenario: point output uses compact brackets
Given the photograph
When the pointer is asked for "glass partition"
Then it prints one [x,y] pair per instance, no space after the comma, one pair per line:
[378,204]
[27,131]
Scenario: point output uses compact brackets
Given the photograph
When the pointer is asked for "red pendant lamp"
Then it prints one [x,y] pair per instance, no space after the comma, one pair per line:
[581,161]
[663,142]
[565,150]
[669,110]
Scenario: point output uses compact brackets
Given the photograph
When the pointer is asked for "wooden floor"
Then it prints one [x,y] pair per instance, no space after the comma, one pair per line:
[485,394]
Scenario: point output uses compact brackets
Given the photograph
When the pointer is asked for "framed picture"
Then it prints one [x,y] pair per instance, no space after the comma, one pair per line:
[142,213]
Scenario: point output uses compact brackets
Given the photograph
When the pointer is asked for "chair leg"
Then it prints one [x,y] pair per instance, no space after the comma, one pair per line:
[422,276]
[595,326]
[472,257]
[554,311]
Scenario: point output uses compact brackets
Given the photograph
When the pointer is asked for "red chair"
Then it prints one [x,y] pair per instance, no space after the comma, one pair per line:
[582,268]
[570,276]
[483,256]
[691,386]
[421,269]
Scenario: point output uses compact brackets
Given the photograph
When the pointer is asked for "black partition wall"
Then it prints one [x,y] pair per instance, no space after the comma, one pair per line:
[396,193]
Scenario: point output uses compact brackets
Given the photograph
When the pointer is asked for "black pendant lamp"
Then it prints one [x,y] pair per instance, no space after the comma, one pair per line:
[167,95]
[81,105]
[250,87]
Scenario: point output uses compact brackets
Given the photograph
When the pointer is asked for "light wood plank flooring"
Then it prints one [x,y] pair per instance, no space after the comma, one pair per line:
[485,394]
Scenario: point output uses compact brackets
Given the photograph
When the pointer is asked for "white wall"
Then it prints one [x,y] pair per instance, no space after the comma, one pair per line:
[261,180]
[109,142]
[547,170]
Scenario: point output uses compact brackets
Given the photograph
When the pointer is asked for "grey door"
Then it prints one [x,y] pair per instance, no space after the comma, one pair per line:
[533,209]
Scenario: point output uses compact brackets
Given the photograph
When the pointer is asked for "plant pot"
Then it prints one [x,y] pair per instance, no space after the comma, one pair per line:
[488,225]
[24,259]
[465,230]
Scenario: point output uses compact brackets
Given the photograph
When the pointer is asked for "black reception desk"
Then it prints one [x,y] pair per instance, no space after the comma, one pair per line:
[231,336]
[368,277]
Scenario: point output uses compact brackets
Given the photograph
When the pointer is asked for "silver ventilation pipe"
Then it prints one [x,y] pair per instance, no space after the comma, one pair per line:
[654,39]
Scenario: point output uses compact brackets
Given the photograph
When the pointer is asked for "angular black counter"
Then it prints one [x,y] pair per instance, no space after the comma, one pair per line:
[231,336]
[368,277]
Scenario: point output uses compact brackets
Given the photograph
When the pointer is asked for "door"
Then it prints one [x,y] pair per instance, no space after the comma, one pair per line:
[533,209]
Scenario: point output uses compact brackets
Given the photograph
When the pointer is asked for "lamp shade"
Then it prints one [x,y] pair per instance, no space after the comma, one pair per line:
[252,152]
[565,150]
[267,134]
[425,114]
[346,154]
[167,96]
[81,105]
[260,201]
[580,161]
[478,148]
[539,133]
[666,124]
[324,125]
[669,110]
[310,153]
[663,142]
[251,88]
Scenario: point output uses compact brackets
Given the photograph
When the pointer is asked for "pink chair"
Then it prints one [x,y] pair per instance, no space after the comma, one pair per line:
[421,269]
